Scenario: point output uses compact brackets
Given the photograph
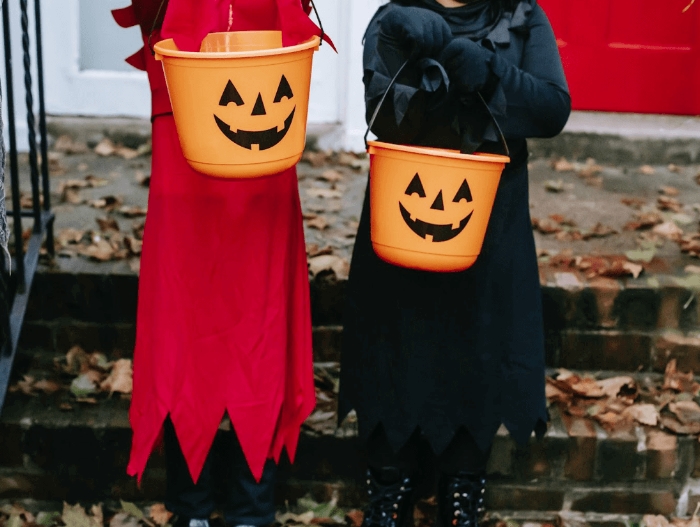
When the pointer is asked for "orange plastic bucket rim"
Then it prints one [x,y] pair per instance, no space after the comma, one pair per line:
[168,48]
[373,146]
[240,103]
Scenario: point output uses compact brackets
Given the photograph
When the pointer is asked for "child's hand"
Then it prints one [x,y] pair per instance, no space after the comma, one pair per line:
[419,32]
[467,64]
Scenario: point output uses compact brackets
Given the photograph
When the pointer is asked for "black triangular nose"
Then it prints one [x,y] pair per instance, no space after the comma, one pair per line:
[259,108]
[438,204]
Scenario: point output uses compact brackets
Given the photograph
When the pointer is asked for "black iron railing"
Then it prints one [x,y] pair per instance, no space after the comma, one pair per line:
[16,283]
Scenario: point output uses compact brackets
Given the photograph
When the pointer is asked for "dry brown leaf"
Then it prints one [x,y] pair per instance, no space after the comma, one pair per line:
[126,153]
[668,230]
[120,379]
[645,414]
[132,211]
[316,192]
[563,165]
[107,224]
[316,159]
[692,269]
[143,179]
[319,222]
[106,202]
[47,386]
[77,361]
[649,520]
[635,203]
[634,269]
[69,236]
[329,262]
[599,231]
[355,517]
[332,176]
[675,168]
[644,220]
[159,514]
[590,169]
[65,144]
[611,387]
[135,246]
[669,191]
[677,427]
[667,203]
[679,381]
[587,387]
[105,148]
[687,412]
[647,170]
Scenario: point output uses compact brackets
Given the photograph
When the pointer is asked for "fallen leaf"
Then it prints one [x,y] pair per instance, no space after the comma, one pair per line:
[647,170]
[105,148]
[329,262]
[120,379]
[687,412]
[316,159]
[667,203]
[47,386]
[554,185]
[100,250]
[122,519]
[332,176]
[319,222]
[106,202]
[612,386]
[132,211]
[316,192]
[83,385]
[668,230]
[645,414]
[675,168]
[644,220]
[634,269]
[635,203]
[126,153]
[587,387]
[649,520]
[563,165]
[355,517]
[77,361]
[599,231]
[75,516]
[669,191]
[159,514]
[65,144]
[677,427]
[107,224]
[692,269]
[135,246]
[143,179]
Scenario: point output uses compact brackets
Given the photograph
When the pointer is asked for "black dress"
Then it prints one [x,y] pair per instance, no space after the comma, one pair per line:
[444,351]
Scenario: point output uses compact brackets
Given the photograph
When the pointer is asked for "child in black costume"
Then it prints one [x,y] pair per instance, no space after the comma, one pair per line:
[445,359]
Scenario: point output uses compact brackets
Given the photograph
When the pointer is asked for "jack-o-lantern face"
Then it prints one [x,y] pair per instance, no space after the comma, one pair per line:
[258,139]
[445,230]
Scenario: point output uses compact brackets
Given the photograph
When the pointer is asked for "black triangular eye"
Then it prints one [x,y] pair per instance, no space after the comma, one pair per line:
[284,90]
[231,95]
[464,192]
[415,187]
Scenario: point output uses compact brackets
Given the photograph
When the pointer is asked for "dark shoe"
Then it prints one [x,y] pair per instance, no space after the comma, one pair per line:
[461,500]
[390,495]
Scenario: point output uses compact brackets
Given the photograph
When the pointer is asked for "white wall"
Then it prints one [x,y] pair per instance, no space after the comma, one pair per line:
[85,74]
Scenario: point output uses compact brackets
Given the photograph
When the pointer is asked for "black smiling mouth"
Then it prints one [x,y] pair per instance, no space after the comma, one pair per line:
[264,138]
[439,233]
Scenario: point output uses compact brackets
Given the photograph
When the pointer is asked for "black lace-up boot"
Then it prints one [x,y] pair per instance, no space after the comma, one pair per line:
[390,495]
[461,500]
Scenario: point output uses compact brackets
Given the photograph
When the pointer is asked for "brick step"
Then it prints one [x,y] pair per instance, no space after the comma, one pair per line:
[600,325]
[80,455]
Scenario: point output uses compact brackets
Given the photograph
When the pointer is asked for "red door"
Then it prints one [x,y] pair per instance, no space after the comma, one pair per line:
[630,55]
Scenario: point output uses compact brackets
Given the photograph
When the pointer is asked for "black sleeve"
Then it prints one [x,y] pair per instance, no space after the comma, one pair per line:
[537,97]
[420,88]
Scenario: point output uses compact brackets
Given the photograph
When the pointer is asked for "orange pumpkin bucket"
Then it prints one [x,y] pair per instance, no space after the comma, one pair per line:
[430,207]
[240,104]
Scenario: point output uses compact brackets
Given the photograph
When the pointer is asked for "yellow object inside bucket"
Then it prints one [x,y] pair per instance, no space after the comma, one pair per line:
[241,103]
[430,207]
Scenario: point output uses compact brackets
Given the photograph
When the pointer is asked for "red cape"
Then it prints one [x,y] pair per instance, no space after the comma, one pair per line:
[223,321]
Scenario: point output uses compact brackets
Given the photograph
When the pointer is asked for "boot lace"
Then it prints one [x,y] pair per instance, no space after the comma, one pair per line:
[386,502]
[465,493]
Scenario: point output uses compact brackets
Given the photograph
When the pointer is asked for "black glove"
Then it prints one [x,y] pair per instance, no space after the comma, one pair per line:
[418,32]
[467,64]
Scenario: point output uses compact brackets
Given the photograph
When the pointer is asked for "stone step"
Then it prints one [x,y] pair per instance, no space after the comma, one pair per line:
[81,455]
[603,324]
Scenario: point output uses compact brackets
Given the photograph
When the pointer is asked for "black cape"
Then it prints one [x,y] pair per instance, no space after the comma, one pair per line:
[440,351]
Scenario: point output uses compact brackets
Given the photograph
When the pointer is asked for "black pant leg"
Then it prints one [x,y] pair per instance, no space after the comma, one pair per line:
[248,502]
[463,455]
[184,497]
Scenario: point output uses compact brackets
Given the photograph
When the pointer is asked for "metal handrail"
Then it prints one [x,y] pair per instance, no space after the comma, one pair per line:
[17,281]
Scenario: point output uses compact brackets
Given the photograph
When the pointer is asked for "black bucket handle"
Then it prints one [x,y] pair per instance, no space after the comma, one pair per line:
[391,84]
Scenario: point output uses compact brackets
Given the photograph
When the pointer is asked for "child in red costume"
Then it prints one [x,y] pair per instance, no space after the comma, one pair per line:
[223,324]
